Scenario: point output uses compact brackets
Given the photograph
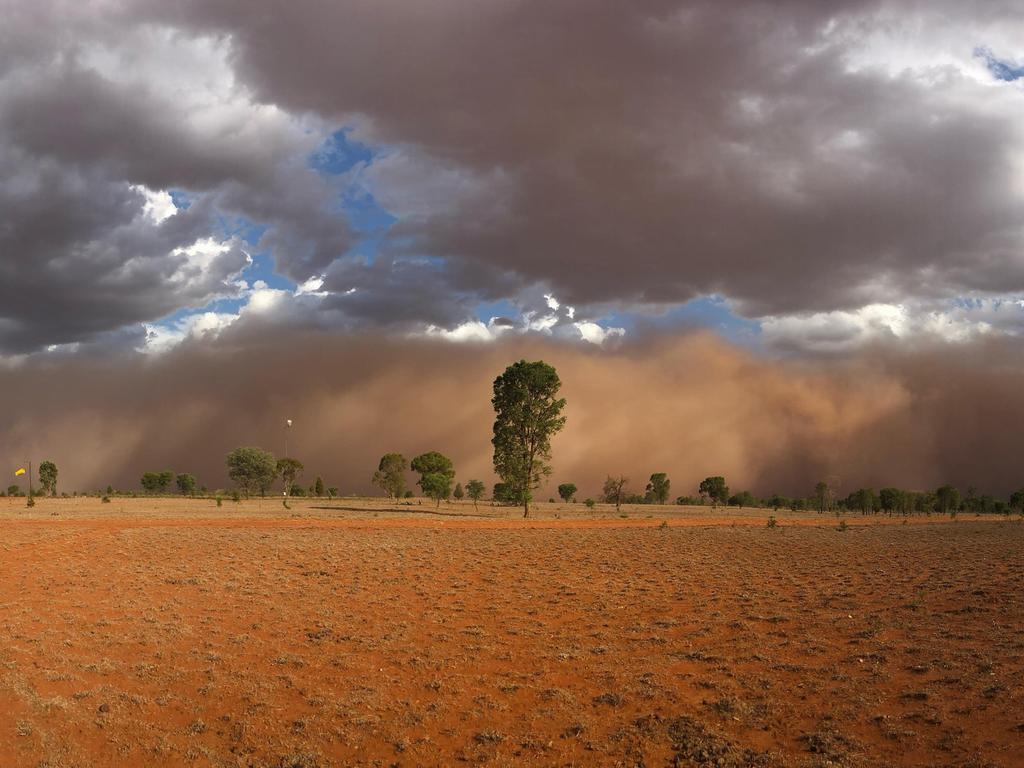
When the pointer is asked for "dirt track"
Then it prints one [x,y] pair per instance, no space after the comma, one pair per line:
[156,633]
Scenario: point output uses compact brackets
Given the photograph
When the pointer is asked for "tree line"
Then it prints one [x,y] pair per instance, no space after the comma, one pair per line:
[528,413]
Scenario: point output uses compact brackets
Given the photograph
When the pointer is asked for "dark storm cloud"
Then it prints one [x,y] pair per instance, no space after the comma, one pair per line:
[656,151]
[693,407]
[88,112]
[789,157]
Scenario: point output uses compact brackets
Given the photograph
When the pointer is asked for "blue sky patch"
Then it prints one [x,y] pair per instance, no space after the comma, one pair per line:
[1000,68]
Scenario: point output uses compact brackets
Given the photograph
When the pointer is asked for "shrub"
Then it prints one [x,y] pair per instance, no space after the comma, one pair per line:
[590,503]
[772,522]
[842,525]
[105,499]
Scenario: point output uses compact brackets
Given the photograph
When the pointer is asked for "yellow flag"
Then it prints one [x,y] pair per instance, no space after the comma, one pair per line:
[20,472]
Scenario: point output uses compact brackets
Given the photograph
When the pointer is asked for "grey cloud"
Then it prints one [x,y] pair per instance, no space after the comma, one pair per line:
[656,151]
[79,259]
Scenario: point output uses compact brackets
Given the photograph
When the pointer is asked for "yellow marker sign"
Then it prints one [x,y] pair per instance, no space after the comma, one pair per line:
[20,472]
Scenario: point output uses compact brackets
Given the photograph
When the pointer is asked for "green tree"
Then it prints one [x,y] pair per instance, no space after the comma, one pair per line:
[947,499]
[436,475]
[150,482]
[567,491]
[390,474]
[746,499]
[714,488]
[658,488]
[253,470]
[48,477]
[1017,500]
[436,486]
[186,484]
[615,490]
[862,499]
[318,486]
[503,494]
[527,414]
[458,493]
[891,499]
[289,470]
[475,490]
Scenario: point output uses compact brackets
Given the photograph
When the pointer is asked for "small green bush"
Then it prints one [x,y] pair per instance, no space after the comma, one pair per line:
[590,503]
[772,522]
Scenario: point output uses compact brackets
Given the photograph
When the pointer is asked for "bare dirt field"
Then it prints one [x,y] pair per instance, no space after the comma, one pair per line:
[353,632]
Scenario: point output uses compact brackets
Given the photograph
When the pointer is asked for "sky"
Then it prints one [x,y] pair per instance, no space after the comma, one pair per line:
[812,185]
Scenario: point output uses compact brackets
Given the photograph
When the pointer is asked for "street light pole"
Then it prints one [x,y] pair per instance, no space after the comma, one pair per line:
[287,426]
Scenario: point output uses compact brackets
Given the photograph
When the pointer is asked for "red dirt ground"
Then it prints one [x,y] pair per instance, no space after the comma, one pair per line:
[179,634]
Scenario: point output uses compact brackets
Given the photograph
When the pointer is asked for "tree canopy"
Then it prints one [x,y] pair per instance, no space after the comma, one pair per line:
[436,475]
[715,489]
[390,474]
[527,414]
[253,470]
[658,488]
[48,477]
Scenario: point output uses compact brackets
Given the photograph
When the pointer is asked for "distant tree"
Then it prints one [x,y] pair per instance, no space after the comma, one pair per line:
[615,489]
[150,482]
[390,474]
[436,486]
[475,490]
[1017,500]
[715,489]
[289,470]
[890,499]
[186,484]
[436,475]
[822,496]
[658,488]
[48,477]
[502,493]
[297,490]
[743,499]
[253,470]
[567,491]
[862,499]
[13,490]
[458,494]
[688,501]
[925,502]
[318,486]
[971,501]
[332,492]
[528,413]
[947,499]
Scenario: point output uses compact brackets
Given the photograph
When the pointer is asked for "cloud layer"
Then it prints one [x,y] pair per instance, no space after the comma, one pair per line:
[807,163]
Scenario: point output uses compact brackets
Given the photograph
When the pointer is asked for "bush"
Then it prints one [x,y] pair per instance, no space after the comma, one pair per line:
[220,501]
[842,525]
[590,503]
[31,501]
[235,496]
[105,499]
[772,522]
